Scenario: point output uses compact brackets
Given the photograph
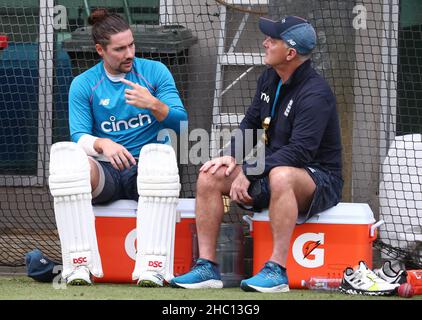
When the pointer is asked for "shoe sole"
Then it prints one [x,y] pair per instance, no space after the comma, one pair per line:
[79,282]
[209,284]
[149,284]
[365,292]
[276,289]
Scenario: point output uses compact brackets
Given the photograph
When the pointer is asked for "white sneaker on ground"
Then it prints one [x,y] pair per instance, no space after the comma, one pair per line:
[151,279]
[79,277]
[387,273]
[364,281]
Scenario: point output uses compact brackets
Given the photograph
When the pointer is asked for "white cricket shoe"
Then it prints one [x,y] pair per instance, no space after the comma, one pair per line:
[387,273]
[79,277]
[151,279]
[364,281]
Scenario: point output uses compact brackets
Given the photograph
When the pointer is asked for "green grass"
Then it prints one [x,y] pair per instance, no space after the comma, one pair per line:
[24,288]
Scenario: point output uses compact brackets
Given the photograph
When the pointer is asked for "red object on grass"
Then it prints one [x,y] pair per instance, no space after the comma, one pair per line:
[406,290]
[3,41]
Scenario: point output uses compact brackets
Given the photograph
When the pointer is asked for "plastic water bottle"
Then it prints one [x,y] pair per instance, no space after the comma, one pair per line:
[322,283]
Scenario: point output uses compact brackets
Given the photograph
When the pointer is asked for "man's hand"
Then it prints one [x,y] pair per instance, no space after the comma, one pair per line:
[140,97]
[215,164]
[239,189]
[118,155]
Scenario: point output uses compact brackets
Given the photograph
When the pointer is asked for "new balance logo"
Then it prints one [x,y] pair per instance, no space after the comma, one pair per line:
[265,97]
[291,42]
[104,102]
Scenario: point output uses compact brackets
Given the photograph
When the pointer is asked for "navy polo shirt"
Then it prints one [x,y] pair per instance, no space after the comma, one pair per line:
[304,131]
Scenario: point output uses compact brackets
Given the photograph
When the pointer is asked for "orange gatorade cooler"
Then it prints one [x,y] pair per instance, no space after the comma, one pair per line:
[116,237]
[323,246]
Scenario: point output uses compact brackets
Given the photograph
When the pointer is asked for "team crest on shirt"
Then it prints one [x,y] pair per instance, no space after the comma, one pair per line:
[289,106]
[104,102]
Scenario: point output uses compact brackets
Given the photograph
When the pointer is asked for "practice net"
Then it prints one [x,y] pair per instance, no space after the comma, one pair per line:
[369,51]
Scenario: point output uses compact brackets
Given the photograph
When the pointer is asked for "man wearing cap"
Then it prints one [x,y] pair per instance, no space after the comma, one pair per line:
[302,172]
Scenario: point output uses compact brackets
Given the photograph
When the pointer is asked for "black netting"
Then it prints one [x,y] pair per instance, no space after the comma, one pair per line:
[370,52]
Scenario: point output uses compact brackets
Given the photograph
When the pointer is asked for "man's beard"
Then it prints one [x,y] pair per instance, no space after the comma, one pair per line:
[125,68]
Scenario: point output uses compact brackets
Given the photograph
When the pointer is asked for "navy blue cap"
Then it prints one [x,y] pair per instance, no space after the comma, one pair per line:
[39,267]
[297,32]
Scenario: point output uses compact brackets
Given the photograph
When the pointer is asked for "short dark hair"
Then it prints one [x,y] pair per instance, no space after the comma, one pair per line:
[105,24]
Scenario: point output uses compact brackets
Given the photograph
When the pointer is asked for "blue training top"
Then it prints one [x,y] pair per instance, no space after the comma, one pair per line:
[97,105]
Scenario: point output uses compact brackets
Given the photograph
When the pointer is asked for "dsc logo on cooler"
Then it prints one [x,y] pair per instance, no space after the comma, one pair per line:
[306,250]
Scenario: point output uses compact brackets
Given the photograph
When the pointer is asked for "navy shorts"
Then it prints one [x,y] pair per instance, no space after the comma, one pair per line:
[116,184]
[327,193]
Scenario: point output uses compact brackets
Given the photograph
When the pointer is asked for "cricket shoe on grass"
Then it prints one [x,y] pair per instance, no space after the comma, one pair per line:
[79,277]
[150,279]
[271,278]
[204,275]
[364,281]
[387,273]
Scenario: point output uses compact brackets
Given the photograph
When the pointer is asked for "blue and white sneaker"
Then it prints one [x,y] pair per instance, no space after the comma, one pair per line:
[204,275]
[271,278]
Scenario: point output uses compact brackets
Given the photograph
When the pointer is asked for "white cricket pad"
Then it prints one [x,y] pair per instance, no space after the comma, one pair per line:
[158,188]
[70,187]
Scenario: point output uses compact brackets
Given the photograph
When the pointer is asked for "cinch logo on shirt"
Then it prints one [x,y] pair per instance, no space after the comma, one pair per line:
[104,102]
[118,125]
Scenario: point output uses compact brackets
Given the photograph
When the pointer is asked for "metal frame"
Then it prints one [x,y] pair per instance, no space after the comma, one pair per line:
[166,12]
[226,58]
[388,83]
[45,99]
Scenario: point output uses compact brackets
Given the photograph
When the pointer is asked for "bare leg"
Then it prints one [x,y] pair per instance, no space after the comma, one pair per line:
[95,174]
[292,190]
[210,209]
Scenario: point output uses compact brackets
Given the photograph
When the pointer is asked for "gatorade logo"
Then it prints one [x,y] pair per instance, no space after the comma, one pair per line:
[306,250]
[130,244]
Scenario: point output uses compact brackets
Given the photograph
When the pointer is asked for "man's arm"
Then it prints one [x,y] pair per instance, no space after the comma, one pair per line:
[165,106]
[80,113]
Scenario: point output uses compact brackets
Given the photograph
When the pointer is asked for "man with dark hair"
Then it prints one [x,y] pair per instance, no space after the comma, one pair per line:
[117,108]
[302,171]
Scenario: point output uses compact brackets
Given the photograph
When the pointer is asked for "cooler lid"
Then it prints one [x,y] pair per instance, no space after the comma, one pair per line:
[186,207]
[119,208]
[128,208]
[342,213]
